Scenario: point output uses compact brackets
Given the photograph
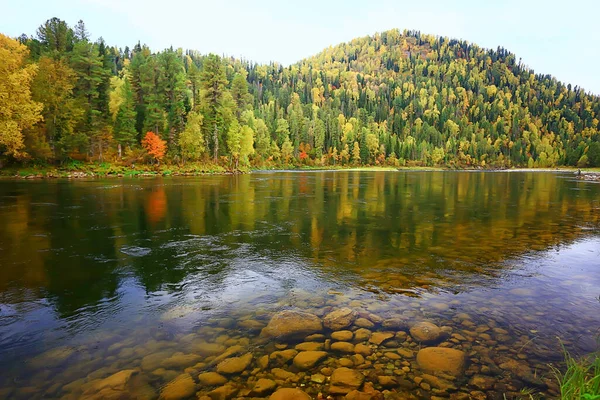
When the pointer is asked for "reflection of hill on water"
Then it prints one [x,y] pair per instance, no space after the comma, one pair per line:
[385,230]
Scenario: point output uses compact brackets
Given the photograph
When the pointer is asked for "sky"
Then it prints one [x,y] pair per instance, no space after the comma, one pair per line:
[560,38]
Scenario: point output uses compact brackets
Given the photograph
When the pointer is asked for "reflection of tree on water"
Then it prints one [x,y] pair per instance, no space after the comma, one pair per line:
[393,230]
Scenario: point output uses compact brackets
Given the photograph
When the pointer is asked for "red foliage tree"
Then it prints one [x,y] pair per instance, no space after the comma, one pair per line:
[154,145]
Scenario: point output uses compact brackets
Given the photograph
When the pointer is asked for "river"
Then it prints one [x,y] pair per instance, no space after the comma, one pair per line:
[173,287]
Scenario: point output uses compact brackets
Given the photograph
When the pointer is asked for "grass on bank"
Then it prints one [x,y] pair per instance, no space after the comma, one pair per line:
[108,169]
[581,379]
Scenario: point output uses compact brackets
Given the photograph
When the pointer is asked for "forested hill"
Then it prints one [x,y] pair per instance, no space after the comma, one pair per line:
[395,98]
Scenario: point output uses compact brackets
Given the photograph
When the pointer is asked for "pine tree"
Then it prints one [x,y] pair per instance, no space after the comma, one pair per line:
[214,85]
[172,84]
[239,92]
[124,130]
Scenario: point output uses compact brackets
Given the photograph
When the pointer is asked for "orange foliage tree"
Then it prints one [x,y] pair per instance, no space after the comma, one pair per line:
[154,145]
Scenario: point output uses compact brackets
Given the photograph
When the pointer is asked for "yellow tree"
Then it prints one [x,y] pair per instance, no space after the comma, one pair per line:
[17,110]
[53,87]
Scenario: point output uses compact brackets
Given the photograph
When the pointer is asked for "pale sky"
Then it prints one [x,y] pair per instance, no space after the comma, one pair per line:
[561,38]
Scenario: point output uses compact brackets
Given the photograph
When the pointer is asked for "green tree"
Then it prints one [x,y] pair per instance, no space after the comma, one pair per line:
[263,141]
[593,154]
[56,36]
[282,132]
[172,85]
[88,66]
[191,140]
[155,119]
[124,127]
[214,87]
[53,87]
[287,151]
[239,92]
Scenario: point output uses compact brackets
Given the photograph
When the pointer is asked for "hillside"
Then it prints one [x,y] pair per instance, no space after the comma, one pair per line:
[395,98]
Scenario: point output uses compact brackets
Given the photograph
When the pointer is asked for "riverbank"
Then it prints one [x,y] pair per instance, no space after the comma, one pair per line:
[107,170]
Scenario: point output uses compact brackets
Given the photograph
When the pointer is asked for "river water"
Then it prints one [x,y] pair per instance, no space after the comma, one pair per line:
[140,288]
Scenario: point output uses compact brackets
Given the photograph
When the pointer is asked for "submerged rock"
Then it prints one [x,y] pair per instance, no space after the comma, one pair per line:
[283,356]
[154,361]
[310,346]
[289,394]
[180,360]
[251,325]
[234,365]
[363,349]
[264,386]
[362,335]
[206,349]
[224,392]
[342,336]
[179,388]
[263,362]
[380,337]
[364,323]
[212,379]
[442,359]
[344,380]
[426,332]
[308,359]
[284,375]
[442,385]
[339,319]
[342,347]
[292,323]
[398,324]
[113,387]
[387,381]
[357,395]
[482,382]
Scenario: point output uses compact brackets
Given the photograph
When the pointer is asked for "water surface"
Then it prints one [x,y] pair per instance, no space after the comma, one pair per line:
[95,276]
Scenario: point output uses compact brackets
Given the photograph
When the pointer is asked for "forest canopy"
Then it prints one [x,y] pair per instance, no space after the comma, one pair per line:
[394,98]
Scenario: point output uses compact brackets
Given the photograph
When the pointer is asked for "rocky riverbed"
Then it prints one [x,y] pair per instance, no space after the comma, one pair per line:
[324,351]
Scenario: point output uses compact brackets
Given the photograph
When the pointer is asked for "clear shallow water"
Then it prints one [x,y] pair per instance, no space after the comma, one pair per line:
[96,276]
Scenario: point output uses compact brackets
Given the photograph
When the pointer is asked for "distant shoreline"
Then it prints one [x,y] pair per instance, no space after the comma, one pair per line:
[91,171]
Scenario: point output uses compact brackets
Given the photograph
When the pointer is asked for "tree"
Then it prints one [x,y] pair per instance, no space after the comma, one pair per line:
[80,32]
[17,110]
[193,77]
[124,127]
[234,139]
[191,141]
[56,36]
[155,146]
[53,87]
[172,84]
[263,142]
[152,99]
[282,131]
[287,150]
[239,92]
[372,144]
[593,154]
[247,143]
[87,64]
[437,155]
[356,154]
[319,136]
[214,86]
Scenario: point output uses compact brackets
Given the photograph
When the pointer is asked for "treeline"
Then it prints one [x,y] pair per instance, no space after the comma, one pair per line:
[395,98]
